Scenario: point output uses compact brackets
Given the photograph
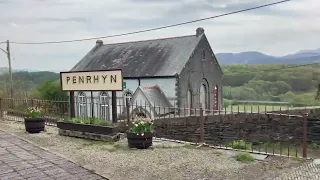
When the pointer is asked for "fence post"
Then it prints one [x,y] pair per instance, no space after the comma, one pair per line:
[1,109]
[128,110]
[305,136]
[32,102]
[201,126]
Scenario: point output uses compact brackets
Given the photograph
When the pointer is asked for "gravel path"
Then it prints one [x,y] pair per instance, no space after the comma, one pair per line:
[117,162]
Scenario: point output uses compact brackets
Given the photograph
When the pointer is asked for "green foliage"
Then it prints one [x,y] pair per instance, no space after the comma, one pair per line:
[262,83]
[90,121]
[314,145]
[51,91]
[318,93]
[239,145]
[226,102]
[25,82]
[141,125]
[244,157]
[34,112]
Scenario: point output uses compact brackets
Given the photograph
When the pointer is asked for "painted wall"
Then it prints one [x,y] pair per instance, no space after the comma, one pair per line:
[166,84]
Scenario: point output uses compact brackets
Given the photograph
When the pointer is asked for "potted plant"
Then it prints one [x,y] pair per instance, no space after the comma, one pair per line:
[140,133]
[34,122]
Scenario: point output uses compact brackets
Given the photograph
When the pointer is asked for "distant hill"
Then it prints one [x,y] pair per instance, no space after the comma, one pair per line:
[24,81]
[253,57]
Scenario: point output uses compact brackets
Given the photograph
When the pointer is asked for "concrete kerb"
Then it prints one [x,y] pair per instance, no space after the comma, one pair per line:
[55,153]
[231,149]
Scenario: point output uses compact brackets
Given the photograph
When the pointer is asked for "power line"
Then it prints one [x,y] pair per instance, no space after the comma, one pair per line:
[153,29]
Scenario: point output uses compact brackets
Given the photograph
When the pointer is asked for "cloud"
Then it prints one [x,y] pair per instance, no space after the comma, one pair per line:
[15,25]
[277,30]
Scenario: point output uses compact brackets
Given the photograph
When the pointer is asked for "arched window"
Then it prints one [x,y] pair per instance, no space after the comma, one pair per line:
[127,96]
[216,97]
[82,104]
[204,96]
[104,106]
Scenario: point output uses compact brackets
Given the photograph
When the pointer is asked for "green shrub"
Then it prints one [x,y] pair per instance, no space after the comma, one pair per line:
[91,121]
[244,157]
[314,146]
[239,145]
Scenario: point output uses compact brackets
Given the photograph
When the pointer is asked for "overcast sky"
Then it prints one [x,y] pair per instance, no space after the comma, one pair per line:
[277,30]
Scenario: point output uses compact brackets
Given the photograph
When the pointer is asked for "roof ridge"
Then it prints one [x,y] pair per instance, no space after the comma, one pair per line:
[174,37]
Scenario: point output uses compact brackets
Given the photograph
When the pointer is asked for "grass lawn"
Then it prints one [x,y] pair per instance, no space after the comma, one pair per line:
[256,108]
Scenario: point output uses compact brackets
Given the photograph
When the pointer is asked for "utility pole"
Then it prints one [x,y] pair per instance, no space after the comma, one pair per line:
[7,52]
[10,69]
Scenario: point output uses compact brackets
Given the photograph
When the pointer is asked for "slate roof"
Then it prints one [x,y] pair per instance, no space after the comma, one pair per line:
[158,57]
[157,99]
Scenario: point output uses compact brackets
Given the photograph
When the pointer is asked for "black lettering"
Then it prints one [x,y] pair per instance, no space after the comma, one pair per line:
[104,78]
[88,79]
[68,79]
[113,78]
[74,79]
[95,79]
[81,79]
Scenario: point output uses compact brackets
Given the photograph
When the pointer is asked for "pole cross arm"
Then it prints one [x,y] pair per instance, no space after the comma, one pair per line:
[4,51]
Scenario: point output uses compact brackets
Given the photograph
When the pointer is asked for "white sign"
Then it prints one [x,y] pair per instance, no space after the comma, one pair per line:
[109,80]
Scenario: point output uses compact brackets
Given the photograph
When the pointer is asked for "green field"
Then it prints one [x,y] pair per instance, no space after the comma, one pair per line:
[256,108]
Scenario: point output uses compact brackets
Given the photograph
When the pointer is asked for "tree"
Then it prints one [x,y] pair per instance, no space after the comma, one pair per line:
[51,91]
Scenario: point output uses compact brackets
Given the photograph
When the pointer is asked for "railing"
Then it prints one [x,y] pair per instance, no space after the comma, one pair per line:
[278,131]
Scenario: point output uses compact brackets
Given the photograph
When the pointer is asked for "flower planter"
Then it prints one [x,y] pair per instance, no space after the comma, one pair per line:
[105,130]
[139,141]
[88,131]
[34,125]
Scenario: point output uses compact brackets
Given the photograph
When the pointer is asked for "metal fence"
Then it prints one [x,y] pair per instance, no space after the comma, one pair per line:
[278,131]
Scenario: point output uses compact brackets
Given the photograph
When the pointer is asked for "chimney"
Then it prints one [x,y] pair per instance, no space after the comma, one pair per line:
[199,31]
[99,42]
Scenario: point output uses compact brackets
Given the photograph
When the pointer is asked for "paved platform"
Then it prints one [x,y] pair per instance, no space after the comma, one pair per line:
[22,160]
[307,171]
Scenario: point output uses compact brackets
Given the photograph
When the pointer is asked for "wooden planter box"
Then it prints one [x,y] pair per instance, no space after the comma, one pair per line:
[86,131]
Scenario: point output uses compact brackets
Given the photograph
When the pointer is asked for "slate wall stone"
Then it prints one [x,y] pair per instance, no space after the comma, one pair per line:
[254,128]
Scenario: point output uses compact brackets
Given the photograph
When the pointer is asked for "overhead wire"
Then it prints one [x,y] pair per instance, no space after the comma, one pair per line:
[153,29]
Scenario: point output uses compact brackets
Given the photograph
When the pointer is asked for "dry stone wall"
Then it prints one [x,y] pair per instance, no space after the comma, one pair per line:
[254,128]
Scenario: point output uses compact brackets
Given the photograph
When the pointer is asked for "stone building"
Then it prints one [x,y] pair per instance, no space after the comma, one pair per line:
[180,72]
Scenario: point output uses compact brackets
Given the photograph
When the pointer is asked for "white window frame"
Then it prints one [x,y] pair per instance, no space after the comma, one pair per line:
[127,95]
[83,111]
[104,106]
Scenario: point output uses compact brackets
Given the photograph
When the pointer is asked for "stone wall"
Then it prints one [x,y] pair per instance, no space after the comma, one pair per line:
[254,128]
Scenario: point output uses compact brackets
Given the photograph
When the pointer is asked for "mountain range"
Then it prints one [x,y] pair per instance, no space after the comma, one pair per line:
[249,57]
[254,57]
